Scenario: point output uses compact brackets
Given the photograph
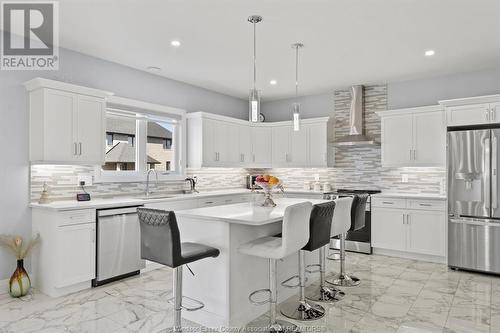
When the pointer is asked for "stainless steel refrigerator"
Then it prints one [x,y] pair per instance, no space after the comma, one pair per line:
[473,200]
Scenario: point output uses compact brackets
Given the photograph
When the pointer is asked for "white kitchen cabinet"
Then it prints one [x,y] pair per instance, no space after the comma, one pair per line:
[218,141]
[261,147]
[472,111]
[67,123]
[426,232]
[409,225]
[397,140]
[388,229]
[76,252]
[65,259]
[413,137]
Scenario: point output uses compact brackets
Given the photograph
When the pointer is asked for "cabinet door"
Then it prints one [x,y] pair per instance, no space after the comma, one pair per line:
[233,145]
[245,142]
[209,150]
[388,229]
[281,146]
[90,128]
[261,146]
[468,115]
[221,136]
[426,232]
[298,147]
[429,137]
[76,251]
[317,145]
[397,140]
[59,126]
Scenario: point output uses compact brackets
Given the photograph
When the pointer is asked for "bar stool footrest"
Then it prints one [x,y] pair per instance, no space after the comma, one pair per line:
[196,305]
[308,270]
[260,291]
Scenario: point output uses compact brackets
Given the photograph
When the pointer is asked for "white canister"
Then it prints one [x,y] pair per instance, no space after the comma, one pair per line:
[317,186]
[327,187]
[307,186]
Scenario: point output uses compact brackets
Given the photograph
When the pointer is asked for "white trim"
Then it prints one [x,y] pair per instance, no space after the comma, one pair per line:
[471,100]
[38,83]
[401,112]
[201,114]
[410,255]
[179,141]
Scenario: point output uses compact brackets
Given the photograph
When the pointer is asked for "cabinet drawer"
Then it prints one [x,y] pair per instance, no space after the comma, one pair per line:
[389,202]
[76,217]
[427,204]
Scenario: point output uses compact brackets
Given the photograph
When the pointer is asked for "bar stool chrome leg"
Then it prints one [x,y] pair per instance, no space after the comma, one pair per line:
[334,255]
[177,299]
[343,279]
[302,309]
[323,293]
[273,325]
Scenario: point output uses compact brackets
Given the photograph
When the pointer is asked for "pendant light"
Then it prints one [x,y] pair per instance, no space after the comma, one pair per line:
[296,105]
[254,97]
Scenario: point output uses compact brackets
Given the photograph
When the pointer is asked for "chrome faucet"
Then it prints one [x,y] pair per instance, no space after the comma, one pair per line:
[148,192]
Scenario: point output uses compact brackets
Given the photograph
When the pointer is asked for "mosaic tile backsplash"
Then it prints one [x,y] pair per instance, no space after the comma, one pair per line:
[355,168]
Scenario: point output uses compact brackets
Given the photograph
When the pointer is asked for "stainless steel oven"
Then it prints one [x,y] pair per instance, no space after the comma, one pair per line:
[359,240]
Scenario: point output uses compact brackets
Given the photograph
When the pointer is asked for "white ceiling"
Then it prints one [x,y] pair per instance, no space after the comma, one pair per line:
[346,41]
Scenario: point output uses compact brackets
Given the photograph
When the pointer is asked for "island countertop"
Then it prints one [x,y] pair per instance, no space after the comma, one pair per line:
[248,213]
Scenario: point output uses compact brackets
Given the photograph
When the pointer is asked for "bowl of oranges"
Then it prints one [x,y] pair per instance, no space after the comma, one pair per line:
[268,183]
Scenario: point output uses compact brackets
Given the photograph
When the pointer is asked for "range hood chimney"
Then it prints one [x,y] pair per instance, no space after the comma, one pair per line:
[356,137]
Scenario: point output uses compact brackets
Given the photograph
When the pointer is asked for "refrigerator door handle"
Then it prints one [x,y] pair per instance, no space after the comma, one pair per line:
[487,172]
[494,171]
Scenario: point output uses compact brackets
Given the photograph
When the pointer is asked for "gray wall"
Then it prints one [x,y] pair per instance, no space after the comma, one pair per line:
[403,94]
[15,217]
[310,107]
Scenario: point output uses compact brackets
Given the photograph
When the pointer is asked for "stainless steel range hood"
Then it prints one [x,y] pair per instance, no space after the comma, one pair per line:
[356,136]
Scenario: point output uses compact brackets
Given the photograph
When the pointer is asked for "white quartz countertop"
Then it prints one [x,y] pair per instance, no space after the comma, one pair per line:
[120,201]
[410,196]
[248,213]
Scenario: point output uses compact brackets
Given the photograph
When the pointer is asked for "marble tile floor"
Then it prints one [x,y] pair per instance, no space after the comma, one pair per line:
[395,295]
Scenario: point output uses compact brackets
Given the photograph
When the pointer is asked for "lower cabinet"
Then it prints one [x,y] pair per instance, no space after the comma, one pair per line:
[420,231]
[77,256]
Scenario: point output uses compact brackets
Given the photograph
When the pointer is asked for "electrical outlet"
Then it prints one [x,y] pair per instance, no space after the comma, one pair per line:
[404,178]
[84,178]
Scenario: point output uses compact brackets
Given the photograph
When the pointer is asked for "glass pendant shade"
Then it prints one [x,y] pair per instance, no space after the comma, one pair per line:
[296,116]
[254,105]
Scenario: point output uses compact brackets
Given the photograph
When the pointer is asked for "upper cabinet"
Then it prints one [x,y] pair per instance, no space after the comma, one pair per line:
[67,123]
[217,141]
[413,137]
[472,111]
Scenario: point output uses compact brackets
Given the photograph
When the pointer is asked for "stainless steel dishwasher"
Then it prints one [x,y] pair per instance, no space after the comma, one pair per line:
[118,245]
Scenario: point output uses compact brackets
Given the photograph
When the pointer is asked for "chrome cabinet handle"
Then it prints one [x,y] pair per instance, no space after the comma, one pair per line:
[407,218]
[411,155]
[75,150]
[80,148]
[487,114]
[414,154]
[388,202]
[425,205]
[492,114]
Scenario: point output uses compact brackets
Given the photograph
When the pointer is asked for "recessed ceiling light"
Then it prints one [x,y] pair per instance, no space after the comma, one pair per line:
[153,69]
[430,53]
[273,82]
[175,43]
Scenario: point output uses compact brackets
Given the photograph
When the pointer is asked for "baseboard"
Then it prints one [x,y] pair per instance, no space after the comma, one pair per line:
[410,255]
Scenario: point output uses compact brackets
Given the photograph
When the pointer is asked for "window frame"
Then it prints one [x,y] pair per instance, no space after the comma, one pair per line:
[147,112]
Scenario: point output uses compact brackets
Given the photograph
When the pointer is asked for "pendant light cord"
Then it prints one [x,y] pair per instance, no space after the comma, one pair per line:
[254,54]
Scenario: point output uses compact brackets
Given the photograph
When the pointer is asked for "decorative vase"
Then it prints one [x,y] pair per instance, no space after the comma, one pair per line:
[19,283]
[268,196]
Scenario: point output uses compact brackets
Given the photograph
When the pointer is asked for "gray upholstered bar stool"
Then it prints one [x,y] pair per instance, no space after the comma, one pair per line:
[161,243]
[320,230]
[319,225]
[357,221]
[295,234]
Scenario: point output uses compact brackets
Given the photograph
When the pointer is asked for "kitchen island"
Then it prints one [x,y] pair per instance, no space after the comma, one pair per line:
[224,283]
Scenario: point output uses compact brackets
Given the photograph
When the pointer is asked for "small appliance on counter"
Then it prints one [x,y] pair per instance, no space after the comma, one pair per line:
[359,240]
[251,182]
